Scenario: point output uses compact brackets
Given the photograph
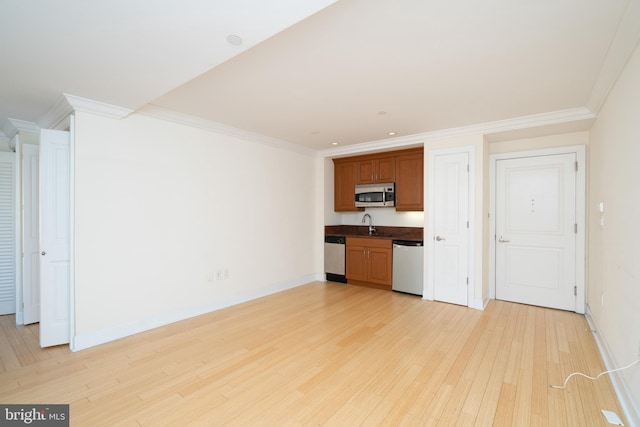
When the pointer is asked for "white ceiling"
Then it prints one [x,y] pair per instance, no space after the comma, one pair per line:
[316,72]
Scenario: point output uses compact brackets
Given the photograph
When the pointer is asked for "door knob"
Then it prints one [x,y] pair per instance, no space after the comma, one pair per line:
[438,238]
[501,240]
[44,253]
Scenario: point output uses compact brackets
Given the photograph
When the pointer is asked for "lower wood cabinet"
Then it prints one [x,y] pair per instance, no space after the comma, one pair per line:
[369,262]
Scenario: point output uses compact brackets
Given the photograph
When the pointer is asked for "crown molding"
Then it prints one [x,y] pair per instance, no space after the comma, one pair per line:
[67,104]
[624,42]
[96,107]
[12,126]
[209,125]
[57,114]
[8,129]
[488,128]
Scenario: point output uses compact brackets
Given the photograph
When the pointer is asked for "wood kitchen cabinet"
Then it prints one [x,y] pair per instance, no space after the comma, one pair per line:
[369,262]
[344,186]
[410,182]
[404,167]
[377,171]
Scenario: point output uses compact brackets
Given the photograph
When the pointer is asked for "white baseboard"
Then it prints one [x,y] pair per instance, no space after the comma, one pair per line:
[479,304]
[81,342]
[629,406]
[476,304]
[20,318]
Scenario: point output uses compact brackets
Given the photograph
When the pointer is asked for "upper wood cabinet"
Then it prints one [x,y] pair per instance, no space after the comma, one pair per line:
[377,170]
[410,182]
[344,186]
[404,167]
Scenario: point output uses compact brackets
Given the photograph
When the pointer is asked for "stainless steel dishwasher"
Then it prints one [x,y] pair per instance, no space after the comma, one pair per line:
[408,267]
[334,258]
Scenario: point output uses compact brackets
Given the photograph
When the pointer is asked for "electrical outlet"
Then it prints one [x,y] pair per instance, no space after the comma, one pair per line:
[210,276]
[218,275]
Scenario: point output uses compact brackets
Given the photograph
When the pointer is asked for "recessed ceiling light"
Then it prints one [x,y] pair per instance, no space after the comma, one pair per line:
[391,133]
[234,40]
[334,143]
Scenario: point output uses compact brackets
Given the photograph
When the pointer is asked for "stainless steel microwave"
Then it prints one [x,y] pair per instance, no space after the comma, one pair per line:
[375,195]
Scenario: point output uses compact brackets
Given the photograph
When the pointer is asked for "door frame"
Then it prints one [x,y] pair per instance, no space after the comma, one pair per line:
[580,152]
[17,186]
[430,236]
[70,124]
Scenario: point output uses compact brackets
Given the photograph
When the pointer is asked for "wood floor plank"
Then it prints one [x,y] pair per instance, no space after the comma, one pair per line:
[324,354]
[540,380]
[487,410]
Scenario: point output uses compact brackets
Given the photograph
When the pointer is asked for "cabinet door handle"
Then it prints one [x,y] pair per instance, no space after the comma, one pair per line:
[438,238]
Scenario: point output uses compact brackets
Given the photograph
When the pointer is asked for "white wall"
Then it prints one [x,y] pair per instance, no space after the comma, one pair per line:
[384,216]
[160,206]
[330,216]
[614,248]
[540,143]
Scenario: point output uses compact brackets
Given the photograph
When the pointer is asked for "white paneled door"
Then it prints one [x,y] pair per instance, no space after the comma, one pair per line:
[54,237]
[536,230]
[30,233]
[451,228]
[7,234]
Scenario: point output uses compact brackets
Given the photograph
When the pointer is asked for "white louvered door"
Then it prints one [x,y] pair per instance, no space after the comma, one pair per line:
[7,235]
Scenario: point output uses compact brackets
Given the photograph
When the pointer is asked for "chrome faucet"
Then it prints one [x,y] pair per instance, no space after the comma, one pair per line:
[372,229]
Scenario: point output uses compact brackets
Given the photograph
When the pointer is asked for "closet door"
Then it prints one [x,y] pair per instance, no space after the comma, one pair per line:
[7,234]
[55,210]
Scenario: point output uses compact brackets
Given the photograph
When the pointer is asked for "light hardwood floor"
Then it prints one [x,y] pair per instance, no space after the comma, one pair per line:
[324,354]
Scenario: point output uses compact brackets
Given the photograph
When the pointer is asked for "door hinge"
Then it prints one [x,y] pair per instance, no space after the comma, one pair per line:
[576,166]
[575,291]
[467,168]
[575,228]
[467,223]
[467,281]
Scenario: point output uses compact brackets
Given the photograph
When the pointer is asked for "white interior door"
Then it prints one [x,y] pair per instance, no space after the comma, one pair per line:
[535,230]
[451,232]
[30,233]
[7,234]
[54,237]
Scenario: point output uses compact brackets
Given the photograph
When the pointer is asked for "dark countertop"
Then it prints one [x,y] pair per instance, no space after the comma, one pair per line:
[396,233]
